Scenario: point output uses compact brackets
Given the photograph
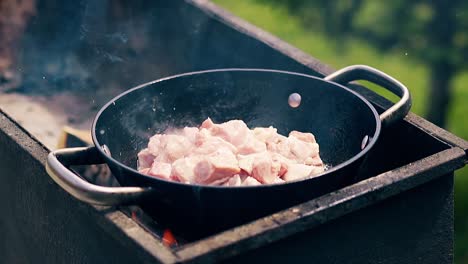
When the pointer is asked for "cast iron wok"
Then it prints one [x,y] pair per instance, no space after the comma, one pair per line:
[345,125]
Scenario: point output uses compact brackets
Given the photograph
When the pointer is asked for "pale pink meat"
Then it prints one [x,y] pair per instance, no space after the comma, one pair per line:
[217,165]
[250,181]
[316,161]
[191,133]
[237,133]
[233,131]
[301,150]
[145,159]
[264,169]
[265,134]
[168,148]
[251,145]
[160,170]
[246,161]
[183,169]
[234,181]
[205,143]
[230,154]
[297,171]
[154,144]
[306,137]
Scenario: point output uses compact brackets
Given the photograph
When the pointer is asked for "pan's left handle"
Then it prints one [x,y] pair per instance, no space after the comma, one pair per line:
[57,165]
[362,72]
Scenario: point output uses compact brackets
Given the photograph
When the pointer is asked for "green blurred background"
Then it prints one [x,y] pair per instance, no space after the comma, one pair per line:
[423,44]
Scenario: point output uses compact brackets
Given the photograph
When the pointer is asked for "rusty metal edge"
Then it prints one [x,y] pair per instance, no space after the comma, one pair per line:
[320,210]
[224,16]
[114,222]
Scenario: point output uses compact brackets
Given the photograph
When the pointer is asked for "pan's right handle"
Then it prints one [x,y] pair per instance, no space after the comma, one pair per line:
[362,72]
[57,165]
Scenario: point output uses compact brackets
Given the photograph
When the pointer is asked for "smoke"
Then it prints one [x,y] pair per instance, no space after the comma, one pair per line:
[94,48]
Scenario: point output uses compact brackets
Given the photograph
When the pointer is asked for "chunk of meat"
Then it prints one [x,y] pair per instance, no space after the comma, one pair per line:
[264,169]
[246,161]
[207,124]
[145,159]
[301,150]
[306,137]
[265,134]
[282,161]
[221,182]
[206,143]
[191,133]
[279,180]
[230,154]
[144,170]
[297,171]
[316,161]
[161,170]
[316,170]
[280,145]
[154,145]
[250,181]
[234,181]
[172,148]
[293,147]
[183,169]
[251,145]
[234,131]
[215,166]
[300,171]
[237,133]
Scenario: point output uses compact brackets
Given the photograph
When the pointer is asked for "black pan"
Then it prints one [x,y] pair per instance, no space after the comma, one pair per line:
[345,125]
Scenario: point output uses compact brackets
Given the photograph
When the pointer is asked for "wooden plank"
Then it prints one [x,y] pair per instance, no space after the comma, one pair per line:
[322,209]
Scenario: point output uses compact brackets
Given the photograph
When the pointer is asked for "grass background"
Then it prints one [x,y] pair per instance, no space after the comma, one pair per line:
[399,64]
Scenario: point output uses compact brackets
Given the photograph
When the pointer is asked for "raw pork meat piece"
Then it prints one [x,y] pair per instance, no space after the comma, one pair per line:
[217,165]
[161,170]
[145,159]
[230,154]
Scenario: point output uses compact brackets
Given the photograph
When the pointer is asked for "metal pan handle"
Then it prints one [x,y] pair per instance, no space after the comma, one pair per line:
[57,165]
[361,72]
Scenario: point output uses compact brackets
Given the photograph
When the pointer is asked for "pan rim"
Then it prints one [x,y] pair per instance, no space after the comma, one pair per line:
[359,155]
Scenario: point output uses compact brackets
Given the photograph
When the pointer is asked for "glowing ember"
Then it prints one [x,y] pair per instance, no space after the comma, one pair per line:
[169,239]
